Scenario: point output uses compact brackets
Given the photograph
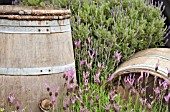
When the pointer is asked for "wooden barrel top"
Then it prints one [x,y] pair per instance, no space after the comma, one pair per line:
[33,12]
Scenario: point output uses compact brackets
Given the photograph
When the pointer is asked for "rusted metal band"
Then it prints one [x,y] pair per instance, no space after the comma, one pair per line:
[7,22]
[36,71]
[151,55]
[12,29]
[143,66]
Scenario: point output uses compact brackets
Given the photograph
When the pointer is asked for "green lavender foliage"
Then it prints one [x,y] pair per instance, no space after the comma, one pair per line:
[126,26]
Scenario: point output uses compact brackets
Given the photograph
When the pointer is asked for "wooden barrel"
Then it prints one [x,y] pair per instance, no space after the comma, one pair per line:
[35,48]
[145,61]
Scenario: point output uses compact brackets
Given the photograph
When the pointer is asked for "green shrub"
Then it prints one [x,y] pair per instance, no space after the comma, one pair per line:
[126,26]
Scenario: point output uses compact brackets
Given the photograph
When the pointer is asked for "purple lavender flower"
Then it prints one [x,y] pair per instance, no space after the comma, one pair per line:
[97,98]
[53,101]
[117,108]
[149,106]
[141,101]
[110,78]
[118,56]
[11,98]
[77,43]
[134,90]
[85,75]
[107,107]
[165,85]
[91,55]
[142,90]
[56,92]
[156,90]
[69,87]
[89,65]
[73,99]
[96,78]
[65,104]
[82,62]
[80,91]
[86,82]
[91,102]
[17,105]
[167,98]
[89,40]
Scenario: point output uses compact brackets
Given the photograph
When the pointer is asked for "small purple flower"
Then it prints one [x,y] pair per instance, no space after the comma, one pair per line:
[99,65]
[134,90]
[73,99]
[97,97]
[110,78]
[156,90]
[96,78]
[70,73]
[53,101]
[91,55]
[118,56]
[69,87]
[149,106]
[65,104]
[56,92]
[167,98]
[11,98]
[85,75]
[158,97]
[91,102]
[142,90]
[80,91]
[117,108]
[107,107]
[165,85]
[17,105]
[89,40]
[141,101]
[89,65]
[87,89]
[86,82]
[77,43]
[82,62]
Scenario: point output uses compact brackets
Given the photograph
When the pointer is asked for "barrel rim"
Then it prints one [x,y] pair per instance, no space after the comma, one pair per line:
[18,12]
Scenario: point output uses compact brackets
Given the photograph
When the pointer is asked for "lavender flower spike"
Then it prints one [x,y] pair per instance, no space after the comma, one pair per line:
[11,98]
[110,78]
[118,56]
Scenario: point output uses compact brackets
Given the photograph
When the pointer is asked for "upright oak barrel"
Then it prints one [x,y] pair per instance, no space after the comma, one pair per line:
[35,48]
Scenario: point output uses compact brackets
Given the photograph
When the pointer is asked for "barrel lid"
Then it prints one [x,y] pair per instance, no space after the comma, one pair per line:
[33,12]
